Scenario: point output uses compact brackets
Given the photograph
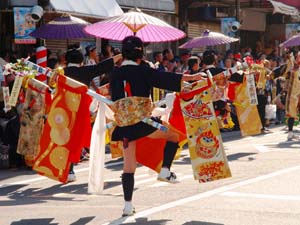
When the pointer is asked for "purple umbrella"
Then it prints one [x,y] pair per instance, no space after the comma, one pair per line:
[64,27]
[208,38]
[292,41]
[135,22]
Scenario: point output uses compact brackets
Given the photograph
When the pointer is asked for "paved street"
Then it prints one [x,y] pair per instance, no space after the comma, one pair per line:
[264,190]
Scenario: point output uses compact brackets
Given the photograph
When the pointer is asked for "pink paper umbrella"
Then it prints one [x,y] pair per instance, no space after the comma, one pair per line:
[208,38]
[64,27]
[135,22]
[292,41]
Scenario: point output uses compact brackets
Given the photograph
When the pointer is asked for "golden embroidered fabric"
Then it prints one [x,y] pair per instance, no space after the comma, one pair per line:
[131,110]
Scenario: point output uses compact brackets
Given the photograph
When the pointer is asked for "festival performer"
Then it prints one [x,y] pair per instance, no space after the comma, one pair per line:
[134,81]
[292,98]
[85,74]
[220,103]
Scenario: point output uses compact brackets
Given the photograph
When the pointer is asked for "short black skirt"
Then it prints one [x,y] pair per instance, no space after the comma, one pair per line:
[134,132]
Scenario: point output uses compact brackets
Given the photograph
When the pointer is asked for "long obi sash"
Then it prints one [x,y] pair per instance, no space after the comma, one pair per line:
[32,119]
[293,94]
[245,103]
[208,158]
[67,130]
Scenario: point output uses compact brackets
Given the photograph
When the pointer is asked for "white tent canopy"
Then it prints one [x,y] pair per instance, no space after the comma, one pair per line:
[94,8]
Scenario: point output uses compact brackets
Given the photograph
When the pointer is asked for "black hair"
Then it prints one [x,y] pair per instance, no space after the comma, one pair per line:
[166,51]
[209,57]
[155,54]
[51,63]
[192,61]
[74,54]
[132,48]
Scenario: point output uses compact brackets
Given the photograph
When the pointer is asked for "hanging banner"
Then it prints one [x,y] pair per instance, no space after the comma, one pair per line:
[24,25]
[32,120]
[249,121]
[209,161]
[15,91]
[251,89]
[7,106]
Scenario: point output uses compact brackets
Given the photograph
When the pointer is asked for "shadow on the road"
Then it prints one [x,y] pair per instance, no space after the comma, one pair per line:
[9,189]
[286,144]
[231,136]
[201,223]
[237,156]
[36,195]
[187,160]
[84,220]
[111,184]
[44,221]
[114,167]
[142,221]
[47,221]
[15,172]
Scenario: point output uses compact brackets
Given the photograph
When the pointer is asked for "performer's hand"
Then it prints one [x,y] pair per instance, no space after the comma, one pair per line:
[200,76]
[194,77]
[117,57]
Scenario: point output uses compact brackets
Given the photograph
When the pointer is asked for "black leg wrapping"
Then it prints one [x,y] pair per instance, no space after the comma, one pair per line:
[291,123]
[128,184]
[169,153]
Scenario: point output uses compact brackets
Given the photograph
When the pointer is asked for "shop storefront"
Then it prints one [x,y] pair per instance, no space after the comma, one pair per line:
[13,22]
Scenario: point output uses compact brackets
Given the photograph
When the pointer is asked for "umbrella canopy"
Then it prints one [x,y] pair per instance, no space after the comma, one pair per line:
[292,41]
[64,27]
[208,38]
[135,22]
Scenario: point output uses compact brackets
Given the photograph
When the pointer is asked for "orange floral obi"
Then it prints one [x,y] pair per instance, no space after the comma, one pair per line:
[131,110]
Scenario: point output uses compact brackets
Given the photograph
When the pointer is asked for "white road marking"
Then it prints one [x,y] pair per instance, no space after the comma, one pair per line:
[261,148]
[203,195]
[261,196]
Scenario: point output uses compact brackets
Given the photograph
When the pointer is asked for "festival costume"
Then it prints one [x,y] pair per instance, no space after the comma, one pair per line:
[132,84]
[32,119]
[67,130]
[141,79]
[85,74]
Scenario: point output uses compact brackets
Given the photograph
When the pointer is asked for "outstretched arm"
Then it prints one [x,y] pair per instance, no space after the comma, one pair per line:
[193,77]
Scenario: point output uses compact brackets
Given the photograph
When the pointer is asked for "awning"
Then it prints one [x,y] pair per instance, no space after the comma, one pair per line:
[94,8]
[280,7]
[293,3]
[156,5]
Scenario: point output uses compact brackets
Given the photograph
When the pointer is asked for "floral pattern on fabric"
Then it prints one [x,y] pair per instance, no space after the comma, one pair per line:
[208,158]
[32,119]
[131,110]
[66,132]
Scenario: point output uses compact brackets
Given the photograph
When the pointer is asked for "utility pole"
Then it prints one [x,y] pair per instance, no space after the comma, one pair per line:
[237,9]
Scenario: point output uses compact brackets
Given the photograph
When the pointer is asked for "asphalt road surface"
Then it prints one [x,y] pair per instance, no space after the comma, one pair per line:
[264,190]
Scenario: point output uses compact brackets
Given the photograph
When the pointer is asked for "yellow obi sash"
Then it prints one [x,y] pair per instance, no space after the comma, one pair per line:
[131,110]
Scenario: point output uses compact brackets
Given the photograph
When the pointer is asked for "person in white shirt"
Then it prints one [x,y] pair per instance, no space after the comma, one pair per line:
[92,58]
